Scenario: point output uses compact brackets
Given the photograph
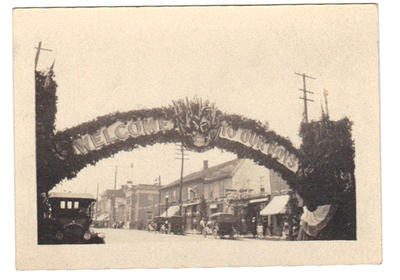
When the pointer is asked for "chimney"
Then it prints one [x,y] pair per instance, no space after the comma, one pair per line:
[205,164]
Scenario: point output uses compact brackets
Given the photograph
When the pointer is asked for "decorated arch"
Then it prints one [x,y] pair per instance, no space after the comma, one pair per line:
[197,124]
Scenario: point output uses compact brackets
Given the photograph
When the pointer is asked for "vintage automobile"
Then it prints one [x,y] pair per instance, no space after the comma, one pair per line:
[158,221]
[223,224]
[70,219]
[170,224]
[175,224]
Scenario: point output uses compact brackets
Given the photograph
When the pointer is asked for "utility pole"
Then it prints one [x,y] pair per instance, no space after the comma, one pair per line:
[114,196]
[159,195]
[39,48]
[182,159]
[322,110]
[115,177]
[97,199]
[326,102]
[305,91]
[132,173]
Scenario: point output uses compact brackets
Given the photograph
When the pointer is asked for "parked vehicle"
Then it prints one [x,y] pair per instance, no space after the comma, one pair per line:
[176,224]
[159,222]
[70,218]
[223,224]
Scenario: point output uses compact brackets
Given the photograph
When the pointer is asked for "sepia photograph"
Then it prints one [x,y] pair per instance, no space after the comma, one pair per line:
[197,136]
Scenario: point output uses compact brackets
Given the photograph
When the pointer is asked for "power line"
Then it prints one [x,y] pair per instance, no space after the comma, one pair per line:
[305,92]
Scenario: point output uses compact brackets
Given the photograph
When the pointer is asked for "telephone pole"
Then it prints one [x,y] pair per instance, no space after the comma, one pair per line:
[39,48]
[326,102]
[159,195]
[305,91]
[114,196]
[132,171]
[97,199]
[182,158]
[115,177]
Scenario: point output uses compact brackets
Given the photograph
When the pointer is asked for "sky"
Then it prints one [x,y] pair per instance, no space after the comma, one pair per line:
[241,58]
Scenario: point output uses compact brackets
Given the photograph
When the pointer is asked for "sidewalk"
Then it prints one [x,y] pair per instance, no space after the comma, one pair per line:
[247,236]
[268,237]
[192,232]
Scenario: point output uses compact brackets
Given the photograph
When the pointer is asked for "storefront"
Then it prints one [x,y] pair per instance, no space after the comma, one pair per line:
[248,210]
[275,215]
[191,216]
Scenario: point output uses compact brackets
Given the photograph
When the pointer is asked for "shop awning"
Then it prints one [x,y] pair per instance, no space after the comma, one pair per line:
[191,204]
[276,206]
[172,211]
[259,200]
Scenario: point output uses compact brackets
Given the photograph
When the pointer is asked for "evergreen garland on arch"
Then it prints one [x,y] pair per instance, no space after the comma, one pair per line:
[69,164]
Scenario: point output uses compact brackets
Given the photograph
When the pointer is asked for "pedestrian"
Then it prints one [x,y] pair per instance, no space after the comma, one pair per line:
[243,227]
[167,227]
[202,225]
[163,229]
[208,228]
[254,226]
[265,225]
[285,231]
[259,230]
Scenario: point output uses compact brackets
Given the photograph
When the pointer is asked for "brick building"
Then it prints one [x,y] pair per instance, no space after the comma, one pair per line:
[218,186]
[141,205]
[108,208]
[132,206]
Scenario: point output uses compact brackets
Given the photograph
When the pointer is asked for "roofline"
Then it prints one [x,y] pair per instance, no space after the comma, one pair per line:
[241,162]
[184,182]
[177,182]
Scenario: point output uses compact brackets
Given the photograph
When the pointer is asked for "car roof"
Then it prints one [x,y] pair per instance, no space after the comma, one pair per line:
[218,214]
[71,195]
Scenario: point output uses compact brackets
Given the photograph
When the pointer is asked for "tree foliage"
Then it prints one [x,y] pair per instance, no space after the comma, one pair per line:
[46,110]
[326,173]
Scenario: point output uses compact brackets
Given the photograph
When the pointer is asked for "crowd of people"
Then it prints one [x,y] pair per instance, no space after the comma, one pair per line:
[251,227]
